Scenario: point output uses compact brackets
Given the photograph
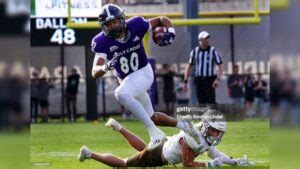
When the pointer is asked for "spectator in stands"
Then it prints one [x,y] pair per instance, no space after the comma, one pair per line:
[13,87]
[287,95]
[284,99]
[275,118]
[182,93]
[44,88]
[71,94]
[16,86]
[235,86]
[288,87]
[167,75]
[260,92]
[275,85]
[34,96]
[249,80]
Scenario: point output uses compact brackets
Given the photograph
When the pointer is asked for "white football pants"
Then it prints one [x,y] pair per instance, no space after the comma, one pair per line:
[132,94]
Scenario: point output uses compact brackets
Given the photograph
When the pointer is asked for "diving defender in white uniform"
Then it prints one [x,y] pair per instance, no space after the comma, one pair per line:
[180,148]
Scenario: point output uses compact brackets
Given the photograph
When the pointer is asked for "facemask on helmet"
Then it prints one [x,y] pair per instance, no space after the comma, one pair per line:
[113,32]
[211,140]
[213,120]
[109,13]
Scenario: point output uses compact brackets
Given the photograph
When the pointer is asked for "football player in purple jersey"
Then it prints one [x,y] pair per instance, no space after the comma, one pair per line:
[119,47]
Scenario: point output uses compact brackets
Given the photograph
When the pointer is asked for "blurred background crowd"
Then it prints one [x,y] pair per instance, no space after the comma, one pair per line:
[24,93]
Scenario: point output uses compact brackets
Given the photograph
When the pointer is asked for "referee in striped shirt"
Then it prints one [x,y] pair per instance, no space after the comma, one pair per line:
[208,69]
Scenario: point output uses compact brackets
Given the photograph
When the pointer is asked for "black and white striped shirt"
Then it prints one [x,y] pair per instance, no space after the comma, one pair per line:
[205,60]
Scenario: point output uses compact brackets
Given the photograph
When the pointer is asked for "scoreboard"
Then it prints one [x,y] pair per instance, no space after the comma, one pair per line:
[54,32]
[48,22]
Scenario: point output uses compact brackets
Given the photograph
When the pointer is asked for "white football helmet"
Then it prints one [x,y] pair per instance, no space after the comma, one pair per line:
[212,119]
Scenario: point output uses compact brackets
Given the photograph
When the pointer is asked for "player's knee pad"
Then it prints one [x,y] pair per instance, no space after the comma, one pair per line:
[121,97]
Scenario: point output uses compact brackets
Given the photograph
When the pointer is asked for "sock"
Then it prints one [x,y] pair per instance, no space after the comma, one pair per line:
[156,132]
[151,130]
[88,153]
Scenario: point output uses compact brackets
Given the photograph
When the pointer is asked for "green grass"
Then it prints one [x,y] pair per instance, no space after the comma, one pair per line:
[285,149]
[57,144]
[14,148]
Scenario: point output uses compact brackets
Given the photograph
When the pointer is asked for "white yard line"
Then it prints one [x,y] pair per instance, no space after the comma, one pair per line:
[57,154]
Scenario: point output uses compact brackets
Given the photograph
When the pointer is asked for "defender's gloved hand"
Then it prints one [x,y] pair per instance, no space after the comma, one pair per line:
[244,161]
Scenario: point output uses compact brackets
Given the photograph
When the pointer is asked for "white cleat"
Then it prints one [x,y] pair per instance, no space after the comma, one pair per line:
[113,124]
[156,139]
[84,153]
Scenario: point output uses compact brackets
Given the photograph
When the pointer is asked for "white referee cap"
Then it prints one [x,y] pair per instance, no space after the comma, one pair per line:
[203,35]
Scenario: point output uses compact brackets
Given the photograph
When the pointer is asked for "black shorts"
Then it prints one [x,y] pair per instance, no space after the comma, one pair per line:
[169,96]
[206,94]
[146,158]
[44,103]
[249,97]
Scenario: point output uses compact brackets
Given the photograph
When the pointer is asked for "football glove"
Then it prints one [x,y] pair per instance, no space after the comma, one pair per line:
[244,161]
[215,163]
[111,64]
[167,39]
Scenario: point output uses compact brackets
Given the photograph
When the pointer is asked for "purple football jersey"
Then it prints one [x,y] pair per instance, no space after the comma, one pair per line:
[131,54]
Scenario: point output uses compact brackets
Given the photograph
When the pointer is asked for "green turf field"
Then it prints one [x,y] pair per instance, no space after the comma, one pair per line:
[14,150]
[57,144]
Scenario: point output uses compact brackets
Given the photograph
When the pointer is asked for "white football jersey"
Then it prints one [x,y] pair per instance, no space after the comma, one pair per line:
[172,148]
